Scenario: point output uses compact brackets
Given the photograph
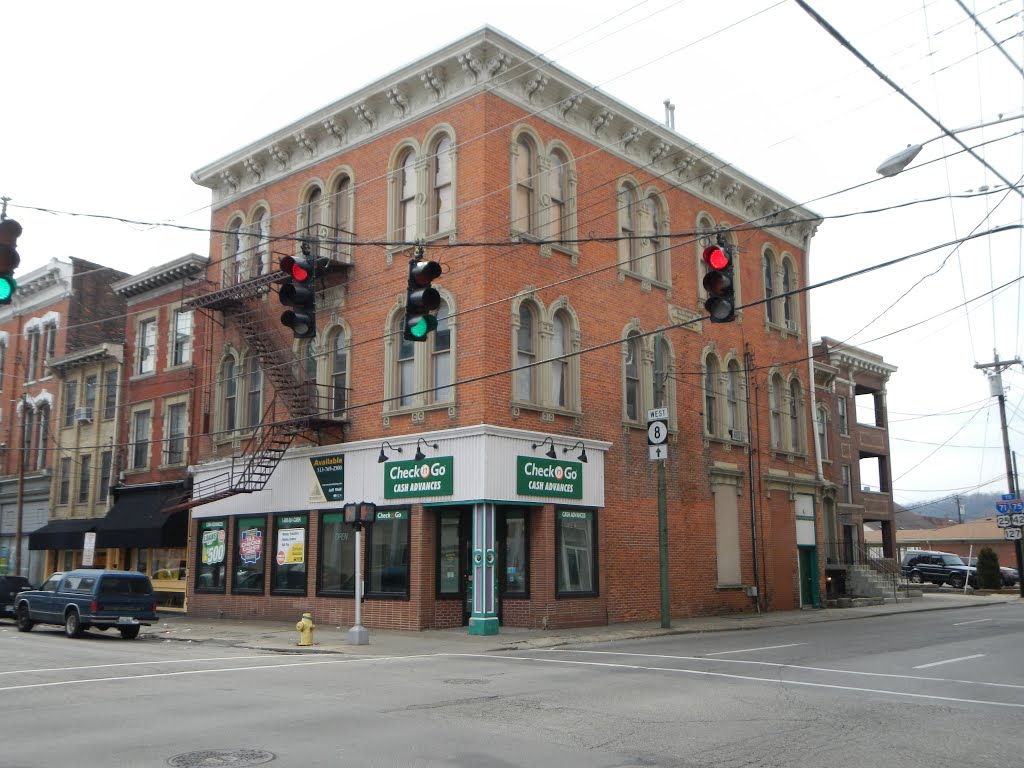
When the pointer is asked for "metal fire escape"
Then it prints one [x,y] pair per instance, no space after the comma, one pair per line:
[308,405]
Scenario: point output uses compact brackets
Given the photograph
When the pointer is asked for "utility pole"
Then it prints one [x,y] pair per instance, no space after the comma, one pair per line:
[996,386]
[659,400]
[20,499]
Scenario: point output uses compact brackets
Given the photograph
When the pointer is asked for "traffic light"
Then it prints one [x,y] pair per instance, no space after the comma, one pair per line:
[420,298]
[299,293]
[721,302]
[10,230]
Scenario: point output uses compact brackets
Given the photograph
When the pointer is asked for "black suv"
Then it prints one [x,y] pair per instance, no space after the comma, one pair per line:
[938,568]
[10,586]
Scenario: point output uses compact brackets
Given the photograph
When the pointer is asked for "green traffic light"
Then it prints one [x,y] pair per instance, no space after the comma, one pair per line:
[7,288]
[421,326]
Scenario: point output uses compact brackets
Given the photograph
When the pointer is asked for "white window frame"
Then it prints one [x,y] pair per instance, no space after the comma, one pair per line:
[423,393]
[145,350]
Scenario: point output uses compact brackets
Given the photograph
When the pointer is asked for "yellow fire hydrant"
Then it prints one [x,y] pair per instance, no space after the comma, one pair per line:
[305,626]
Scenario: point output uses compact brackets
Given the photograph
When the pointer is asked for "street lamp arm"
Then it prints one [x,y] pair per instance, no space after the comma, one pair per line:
[898,162]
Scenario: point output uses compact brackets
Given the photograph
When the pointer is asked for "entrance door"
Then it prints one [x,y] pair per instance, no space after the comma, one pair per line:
[809,596]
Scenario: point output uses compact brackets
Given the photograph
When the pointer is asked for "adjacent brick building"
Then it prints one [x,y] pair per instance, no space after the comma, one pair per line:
[508,455]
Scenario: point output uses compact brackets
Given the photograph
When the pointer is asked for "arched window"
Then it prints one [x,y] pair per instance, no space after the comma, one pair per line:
[229,400]
[769,285]
[260,233]
[629,209]
[560,384]
[632,365]
[441,357]
[775,395]
[311,213]
[733,415]
[712,376]
[558,190]
[310,356]
[339,372]
[442,204]
[795,403]
[526,354]
[660,382]
[652,260]
[42,452]
[28,430]
[525,219]
[406,365]
[254,392]
[233,256]
[821,429]
[788,308]
[341,214]
[406,229]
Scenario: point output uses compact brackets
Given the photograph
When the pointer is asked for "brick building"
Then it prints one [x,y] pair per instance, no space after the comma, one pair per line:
[853,441]
[61,308]
[508,455]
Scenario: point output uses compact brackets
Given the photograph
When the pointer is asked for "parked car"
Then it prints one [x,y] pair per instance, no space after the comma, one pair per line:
[938,568]
[9,587]
[1009,575]
[89,597]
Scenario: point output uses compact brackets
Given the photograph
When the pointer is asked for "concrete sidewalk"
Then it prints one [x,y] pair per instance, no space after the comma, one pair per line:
[281,637]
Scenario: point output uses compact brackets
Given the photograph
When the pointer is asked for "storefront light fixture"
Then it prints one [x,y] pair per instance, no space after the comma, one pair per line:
[583,451]
[420,455]
[551,451]
[383,456]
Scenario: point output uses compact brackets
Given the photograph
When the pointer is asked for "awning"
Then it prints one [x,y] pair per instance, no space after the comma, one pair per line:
[63,534]
[137,518]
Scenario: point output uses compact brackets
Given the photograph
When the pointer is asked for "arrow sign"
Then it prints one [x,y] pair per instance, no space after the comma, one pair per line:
[657,452]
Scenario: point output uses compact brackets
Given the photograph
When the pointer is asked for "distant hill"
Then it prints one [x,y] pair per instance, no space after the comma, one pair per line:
[975,506]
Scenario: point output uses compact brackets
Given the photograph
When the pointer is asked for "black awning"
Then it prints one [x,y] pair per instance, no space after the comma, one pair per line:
[137,518]
[63,534]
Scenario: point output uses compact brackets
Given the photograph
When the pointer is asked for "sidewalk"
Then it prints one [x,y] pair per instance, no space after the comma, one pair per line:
[262,635]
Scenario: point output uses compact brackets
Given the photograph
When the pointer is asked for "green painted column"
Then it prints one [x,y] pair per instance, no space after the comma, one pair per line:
[483,566]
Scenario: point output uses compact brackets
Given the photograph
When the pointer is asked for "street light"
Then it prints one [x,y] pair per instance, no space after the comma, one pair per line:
[898,162]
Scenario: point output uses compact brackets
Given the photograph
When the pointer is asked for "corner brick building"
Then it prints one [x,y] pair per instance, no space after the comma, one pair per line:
[506,457]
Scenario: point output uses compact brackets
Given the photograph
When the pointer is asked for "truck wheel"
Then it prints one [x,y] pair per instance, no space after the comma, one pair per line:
[25,622]
[129,633]
[72,624]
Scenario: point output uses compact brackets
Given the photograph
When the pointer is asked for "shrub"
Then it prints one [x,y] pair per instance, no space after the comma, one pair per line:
[988,569]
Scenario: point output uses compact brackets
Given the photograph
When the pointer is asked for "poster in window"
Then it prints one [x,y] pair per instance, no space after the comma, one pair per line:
[250,548]
[214,547]
[291,546]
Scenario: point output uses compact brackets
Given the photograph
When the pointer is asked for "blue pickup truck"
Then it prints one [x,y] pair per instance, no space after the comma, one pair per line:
[89,598]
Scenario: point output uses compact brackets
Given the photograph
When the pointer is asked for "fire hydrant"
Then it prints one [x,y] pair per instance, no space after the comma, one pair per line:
[305,626]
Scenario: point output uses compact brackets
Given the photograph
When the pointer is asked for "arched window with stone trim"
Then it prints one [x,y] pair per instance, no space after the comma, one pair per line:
[253,392]
[790,312]
[525,174]
[338,355]
[633,372]
[259,236]
[712,395]
[768,269]
[796,401]
[228,386]
[734,405]
[342,214]
[527,347]
[628,201]
[776,395]
[232,268]
[441,215]
[561,385]
[406,219]
[441,389]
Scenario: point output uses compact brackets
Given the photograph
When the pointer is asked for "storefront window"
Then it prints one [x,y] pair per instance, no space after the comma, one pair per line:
[388,547]
[142,561]
[448,557]
[576,552]
[249,559]
[211,557]
[516,559]
[337,555]
[167,564]
[289,568]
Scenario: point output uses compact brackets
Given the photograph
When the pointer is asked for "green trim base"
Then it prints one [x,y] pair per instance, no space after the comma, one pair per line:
[483,625]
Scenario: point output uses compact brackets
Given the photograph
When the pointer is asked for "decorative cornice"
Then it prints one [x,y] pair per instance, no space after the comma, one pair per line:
[99,353]
[488,61]
[188,266]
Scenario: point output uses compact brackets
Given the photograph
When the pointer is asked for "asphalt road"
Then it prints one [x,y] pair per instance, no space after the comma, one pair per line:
[943,688]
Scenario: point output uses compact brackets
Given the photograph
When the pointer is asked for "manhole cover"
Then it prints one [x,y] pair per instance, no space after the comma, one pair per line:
[209,758]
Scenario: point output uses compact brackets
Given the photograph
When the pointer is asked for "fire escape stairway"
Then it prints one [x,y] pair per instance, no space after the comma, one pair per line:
[251,471]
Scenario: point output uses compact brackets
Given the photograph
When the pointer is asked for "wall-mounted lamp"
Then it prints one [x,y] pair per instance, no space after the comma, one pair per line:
[583,451]
[420,455]
[383,456]
[551,451]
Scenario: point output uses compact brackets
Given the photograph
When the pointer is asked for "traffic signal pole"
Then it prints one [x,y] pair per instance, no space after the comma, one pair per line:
[997,385]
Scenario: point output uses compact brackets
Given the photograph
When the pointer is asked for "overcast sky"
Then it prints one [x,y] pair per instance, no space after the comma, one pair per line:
[108,107]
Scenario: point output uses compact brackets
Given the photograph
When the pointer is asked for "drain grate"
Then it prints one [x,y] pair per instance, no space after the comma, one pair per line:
[211,758]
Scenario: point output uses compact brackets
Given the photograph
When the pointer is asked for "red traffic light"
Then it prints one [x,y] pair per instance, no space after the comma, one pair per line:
[298,269]
[715,257]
